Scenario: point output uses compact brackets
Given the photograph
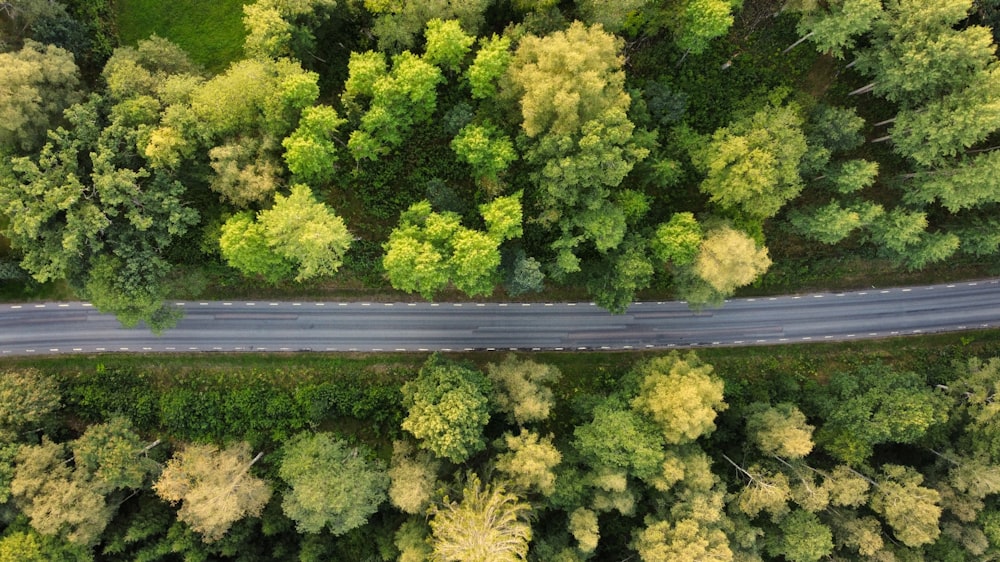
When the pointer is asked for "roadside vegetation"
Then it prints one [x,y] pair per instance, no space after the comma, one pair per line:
[806,452]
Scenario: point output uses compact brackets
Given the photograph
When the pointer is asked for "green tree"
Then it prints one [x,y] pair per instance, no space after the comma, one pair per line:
[963,185]
[583,526]
[490,524]
[254,96]
[917,53]
[620,275]
[428,249]
[678,240]
[698,22]
[681,395]
[902,236]
[910,509]
[485,149]
[779,430]
[522,388]
[27,398]
[400,99]
[398,24]
[306,231]
[528,462]
[488,66]
[804,538]
[942,128]
[618,439]
[832,222]
[333,486]
[39,82]
[244,246]
[836,29]
[113,456]
[447,45]
[752,165]
[447,408]
[214,487]
[570,88]
[309,150]
[278,28]
[872,405]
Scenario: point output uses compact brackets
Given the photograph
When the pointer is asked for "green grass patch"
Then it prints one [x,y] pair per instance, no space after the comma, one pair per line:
[211,32]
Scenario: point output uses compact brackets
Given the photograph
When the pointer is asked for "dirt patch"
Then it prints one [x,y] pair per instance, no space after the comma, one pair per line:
[822,74]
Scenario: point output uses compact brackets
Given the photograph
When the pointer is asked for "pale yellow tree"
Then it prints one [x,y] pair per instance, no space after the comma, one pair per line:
[214,487]
[912,510]
[412,478]
[683,541]
[584,528]
[780,430]
[529,462]
[681,395]
[729,259]
[522,388]
[490,524]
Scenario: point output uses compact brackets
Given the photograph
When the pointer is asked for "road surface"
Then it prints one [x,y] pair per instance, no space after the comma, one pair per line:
[74,327]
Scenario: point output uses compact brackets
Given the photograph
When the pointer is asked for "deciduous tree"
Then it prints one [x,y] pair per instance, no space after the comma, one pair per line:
[490,524]
[214,487]
[681,395]
[447,409]
[910,509]
[522,388]
[752,165]
[39,82]
[528,462]
[413,478]
[27,397]
[333,486]
[779,430]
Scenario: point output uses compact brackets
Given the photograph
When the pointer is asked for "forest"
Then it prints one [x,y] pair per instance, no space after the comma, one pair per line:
[486,149]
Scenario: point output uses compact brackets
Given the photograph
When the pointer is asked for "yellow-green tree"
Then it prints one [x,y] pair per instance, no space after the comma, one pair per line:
[681,395]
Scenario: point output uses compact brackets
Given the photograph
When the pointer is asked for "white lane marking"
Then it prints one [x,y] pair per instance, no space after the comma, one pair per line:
[950,286]
[502,304]
[435,304]
[30,350]
[122,349]
[817,296]
[872,333]
[751,300]
[227,304]
[525,304]
[77,349]
[400,349]
[907,290]
[192,349]
[445,349]
[827,337]
[626,347]
[738,341]
[574,304]
[761,341]
[53,349]
[342,304]
[807,338]
[548,304]
[16,306]
[863,293]
[178,304]
[272,304]
[422,349]
[63,306]
[283,349]
[147,349]
[86,304]
[296,304]
[99,348]
[796,297]
[411,304]
[773,299]
[39,306]
[480,304]
[973,284]
[251,304]
[321,304]
[203,304]
[850,335]
[170,348]
[558,348]
[387,304]
[536,349]
[883,292]
[457,304]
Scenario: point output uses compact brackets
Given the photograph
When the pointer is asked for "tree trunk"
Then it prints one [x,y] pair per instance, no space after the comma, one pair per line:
[799,42]
[886,122]
[882,139]
[863,89]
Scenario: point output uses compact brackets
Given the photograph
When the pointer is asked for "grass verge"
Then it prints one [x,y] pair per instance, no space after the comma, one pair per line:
[210,32]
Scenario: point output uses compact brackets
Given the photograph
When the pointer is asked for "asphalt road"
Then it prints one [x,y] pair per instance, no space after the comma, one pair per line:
[43,328]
